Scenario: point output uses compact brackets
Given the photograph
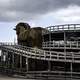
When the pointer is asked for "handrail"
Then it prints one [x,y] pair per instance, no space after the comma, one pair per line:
[61,44]
[8,43]
[42,54]
[61,28]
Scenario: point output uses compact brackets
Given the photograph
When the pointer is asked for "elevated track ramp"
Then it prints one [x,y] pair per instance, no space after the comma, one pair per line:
[36,53]
[39,54]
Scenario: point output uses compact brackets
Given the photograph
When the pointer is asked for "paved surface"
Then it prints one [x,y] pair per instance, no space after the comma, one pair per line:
[11,78]
[14,78]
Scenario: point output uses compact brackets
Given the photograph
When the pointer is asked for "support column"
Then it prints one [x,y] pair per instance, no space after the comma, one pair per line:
[50,39]
[71,69]
[65,44]
[7,60]
[49,66]
[42,40]
[2,63]
[49,63]
[21,62]
[27,65]
[2,54]
[13,60]
[3,57]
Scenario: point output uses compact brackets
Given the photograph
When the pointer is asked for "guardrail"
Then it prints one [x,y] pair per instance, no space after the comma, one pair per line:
[61,28]
[8,43]
[69,44]
[42,54]
[36,53]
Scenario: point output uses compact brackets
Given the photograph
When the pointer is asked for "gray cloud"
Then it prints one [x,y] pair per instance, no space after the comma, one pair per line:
[15,10]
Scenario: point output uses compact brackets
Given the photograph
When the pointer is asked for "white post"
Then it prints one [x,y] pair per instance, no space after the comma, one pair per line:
[77,43]
[49,66]
[65,44]
[27,64]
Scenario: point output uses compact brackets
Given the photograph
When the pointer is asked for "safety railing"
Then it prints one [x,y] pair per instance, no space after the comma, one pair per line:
[8,43]
[42,54]
[69,44]
[61,28]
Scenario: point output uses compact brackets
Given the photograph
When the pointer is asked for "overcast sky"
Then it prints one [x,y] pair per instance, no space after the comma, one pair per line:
[36,13]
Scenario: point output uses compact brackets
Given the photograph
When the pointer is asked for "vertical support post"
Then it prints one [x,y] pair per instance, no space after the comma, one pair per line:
[49,36]
[7,60]
[53,43]
[71,66]
[71,69]
[49,66]
[77,44]
[65,51]
[70,44]
[49,63]
[1,55]
[20,62]
[43,42]
[27,64]
[13,60]
[2,64]
[2,58]
[65,44]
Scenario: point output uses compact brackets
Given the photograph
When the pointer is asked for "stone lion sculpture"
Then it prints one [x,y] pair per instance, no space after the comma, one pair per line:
[27,36]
